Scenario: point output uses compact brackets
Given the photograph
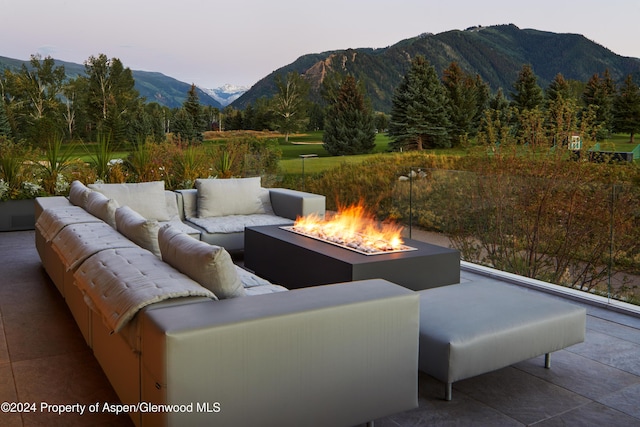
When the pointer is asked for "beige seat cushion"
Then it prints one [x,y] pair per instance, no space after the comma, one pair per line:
[209,265]
[143,232]
[146,198]
[78,193]
[222,197]
[102,207]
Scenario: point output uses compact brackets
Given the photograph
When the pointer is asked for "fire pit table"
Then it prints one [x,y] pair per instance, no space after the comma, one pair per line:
[296,261]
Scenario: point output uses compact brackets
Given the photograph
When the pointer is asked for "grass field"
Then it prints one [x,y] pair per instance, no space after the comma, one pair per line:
[311,143]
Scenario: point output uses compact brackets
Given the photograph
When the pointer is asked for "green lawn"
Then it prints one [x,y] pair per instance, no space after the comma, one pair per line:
[311,143]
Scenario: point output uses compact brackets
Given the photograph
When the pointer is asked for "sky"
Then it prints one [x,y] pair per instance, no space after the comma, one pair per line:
[213,42]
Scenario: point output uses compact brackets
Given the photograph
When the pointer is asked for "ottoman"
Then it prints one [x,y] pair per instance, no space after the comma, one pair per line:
[470,329]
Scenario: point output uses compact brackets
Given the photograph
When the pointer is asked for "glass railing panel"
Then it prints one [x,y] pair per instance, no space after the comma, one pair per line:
[576,234]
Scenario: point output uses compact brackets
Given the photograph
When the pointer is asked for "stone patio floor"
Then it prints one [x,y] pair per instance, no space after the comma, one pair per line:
[43,358]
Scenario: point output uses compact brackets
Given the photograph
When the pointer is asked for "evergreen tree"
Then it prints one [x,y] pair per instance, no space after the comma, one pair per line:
[466,98]
[192,107]
[526,94]
[349,124]
[182,126]
[495,126]
[419,112]
[599,93]
[558,88]
[626,108]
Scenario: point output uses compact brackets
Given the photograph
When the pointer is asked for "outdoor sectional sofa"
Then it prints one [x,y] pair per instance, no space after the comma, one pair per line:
[177,323]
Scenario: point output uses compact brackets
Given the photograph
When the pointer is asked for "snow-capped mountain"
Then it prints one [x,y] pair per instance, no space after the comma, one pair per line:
[226,94]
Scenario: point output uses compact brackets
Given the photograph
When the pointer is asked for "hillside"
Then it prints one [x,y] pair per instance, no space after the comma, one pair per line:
[155,87]
[496,53]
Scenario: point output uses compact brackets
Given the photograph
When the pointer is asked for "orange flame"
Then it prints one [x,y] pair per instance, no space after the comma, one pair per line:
[353,226]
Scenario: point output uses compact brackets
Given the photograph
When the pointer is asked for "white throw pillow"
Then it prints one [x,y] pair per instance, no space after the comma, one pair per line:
[235,196]
[78,194]
[146,198]
[209,265]
[141,231]
[102,207]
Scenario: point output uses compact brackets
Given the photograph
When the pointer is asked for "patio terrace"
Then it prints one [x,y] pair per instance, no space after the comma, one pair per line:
[43,358]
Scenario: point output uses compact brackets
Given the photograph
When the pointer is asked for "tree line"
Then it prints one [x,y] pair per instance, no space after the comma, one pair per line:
[41,101]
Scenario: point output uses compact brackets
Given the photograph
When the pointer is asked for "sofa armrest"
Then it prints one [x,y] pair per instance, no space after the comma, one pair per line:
[291,203]
[42,203]
[338,354]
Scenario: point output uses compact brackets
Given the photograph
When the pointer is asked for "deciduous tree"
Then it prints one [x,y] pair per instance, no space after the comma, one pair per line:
[290,103]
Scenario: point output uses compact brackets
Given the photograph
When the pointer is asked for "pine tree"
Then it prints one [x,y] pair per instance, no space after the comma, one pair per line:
[467,97]
[626,108]
[526,94]
[192,107]
[349,123]
[419,112]
[599,93]
[559,87]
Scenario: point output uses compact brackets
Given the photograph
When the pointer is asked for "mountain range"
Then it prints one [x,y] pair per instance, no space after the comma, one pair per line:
[153,86]
[495,53]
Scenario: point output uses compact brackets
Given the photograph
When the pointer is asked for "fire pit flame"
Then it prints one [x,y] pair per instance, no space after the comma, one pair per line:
[353,228]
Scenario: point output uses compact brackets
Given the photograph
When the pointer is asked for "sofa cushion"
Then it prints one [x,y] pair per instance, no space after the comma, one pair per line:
[141,231]
[78,193]
[209,265]
[102,207]
[117,283]
[235,196]
[237,223]
[146,198]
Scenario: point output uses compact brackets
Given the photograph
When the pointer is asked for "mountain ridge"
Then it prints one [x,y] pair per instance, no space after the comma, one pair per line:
[495,53]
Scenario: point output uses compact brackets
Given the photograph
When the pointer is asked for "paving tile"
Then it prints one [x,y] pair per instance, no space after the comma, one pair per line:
[612,351]
[625,400]
[433,410]
[614,329]
[20,297]
[34,335]
[579,374]
[76,379]
[519,395]
[4,351]
[8,394]
[17,239]
[592,414]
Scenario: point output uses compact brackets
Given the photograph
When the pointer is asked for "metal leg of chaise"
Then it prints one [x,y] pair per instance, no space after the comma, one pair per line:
[370,424]
[447,392]
[547,360]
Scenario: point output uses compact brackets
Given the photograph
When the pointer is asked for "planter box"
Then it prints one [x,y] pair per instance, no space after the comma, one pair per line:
[16,215]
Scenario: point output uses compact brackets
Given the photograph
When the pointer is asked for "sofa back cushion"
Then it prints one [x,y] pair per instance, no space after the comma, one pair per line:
[78,194]
[102,207]
[235,196]
[141,231]
[146,198]
[209,265]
